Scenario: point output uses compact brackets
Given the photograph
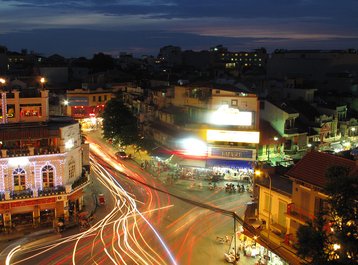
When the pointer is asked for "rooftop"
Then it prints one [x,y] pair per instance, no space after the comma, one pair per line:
[313,166]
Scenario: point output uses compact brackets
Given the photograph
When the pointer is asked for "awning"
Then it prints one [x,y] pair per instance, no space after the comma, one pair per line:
[186,162]
[161,151]
[229,163]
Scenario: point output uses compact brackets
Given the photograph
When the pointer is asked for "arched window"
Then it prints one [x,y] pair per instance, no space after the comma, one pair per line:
[47,176]
[19,176]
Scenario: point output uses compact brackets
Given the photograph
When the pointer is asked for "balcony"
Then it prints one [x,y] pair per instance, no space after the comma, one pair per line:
[299,214]
[21,194]
[49,191]
[29,151]
[290,131]
[80,181]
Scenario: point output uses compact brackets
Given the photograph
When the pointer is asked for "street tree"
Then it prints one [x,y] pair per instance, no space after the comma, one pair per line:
[332,237]
[119,124]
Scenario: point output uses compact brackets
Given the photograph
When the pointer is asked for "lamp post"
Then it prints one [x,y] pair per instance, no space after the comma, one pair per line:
[42,81]
[258,174]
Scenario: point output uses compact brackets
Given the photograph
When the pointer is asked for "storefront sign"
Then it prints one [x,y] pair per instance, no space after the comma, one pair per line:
[233,136]
[78,101]
[230,153]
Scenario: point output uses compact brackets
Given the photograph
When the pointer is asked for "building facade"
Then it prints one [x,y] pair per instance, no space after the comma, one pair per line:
[42,163]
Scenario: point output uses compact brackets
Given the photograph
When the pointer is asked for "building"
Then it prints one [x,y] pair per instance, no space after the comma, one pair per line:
[43,165]
[86,105]
[222,123]
[308,182]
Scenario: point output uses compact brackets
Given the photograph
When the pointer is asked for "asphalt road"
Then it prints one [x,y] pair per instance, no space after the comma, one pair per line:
[185,230]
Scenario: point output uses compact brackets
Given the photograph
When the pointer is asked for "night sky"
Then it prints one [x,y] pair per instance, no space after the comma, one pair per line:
[82,28]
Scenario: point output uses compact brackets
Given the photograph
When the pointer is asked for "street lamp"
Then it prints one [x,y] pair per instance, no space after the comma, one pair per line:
[42,81]
[258,173]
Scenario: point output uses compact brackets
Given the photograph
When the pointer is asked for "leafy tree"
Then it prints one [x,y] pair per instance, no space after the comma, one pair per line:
[332,237]
[312,238]
[119,124]
[343,198]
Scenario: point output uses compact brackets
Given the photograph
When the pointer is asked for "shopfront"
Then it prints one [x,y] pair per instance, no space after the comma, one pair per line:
[239,170]
[248,245]
[47,216]
[19,220]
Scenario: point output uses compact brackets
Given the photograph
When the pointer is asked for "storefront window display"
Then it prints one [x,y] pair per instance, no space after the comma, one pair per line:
[21,219]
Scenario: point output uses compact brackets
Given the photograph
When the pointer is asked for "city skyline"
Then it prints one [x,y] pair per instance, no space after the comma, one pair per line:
[82,28]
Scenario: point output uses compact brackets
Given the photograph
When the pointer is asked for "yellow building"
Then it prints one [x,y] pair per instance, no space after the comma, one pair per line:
[87,105]
[308,197]
[225,119]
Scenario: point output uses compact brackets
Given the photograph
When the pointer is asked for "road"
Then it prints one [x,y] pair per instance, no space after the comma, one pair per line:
[146,222]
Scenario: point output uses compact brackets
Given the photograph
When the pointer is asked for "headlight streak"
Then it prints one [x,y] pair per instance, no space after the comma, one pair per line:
[124,224]
[127,242]
[11,253]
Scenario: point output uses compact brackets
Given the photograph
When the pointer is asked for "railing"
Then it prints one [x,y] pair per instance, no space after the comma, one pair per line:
[78,182]
[299,213]
[291,131]
[18,152]
[21,194]
[52,191]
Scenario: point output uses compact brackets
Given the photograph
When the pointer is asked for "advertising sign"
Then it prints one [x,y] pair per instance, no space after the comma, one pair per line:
[232,153]
[78,101]
[230,116]
[233,136]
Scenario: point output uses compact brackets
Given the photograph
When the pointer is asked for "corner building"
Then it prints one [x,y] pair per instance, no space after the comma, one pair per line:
[43,164]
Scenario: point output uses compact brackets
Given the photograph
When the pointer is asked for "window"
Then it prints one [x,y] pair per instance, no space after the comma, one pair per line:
[94,98]
[100,98]
[105,97]
[282,208]
[47,176]
[267,204]
[19,176]
[71,169]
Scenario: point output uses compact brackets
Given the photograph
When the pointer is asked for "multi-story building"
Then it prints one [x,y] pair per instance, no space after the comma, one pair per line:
[86,105]
[283,118]
[243,59]
[308,196]
[224,120]
[42,162]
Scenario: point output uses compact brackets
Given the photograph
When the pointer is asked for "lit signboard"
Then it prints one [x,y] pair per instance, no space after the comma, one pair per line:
[233,136]
[230,116]
[232,153]
[78,101]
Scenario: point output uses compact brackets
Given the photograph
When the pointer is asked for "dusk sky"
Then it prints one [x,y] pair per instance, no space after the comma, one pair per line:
[84,27]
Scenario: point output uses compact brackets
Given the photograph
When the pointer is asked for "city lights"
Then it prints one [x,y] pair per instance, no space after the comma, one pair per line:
[230,116]
[194,147]
[233,136]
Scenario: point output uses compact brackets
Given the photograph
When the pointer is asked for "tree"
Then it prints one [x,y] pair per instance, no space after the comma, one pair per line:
[312,238]
[119,124]
[332,237]
[343,199]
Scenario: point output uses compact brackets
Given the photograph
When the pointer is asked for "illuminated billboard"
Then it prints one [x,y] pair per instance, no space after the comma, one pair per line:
[230,116]
[233,136]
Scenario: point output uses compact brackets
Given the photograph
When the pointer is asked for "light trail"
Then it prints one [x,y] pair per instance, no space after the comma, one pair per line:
[117,238]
